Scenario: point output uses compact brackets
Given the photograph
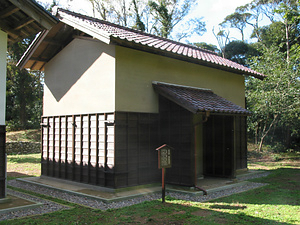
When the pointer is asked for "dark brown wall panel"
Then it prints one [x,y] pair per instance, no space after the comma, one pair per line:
[2,162]
[176,130]
[136,141]
[241,142]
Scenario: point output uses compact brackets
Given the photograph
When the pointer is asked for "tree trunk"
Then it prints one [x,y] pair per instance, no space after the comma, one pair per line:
[265,132]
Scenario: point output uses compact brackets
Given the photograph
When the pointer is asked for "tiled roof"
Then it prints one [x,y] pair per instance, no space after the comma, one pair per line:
[197,100]
[102,29]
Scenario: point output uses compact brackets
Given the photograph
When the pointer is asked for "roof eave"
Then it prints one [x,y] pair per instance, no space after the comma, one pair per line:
[35,11]
[138,46]
[92,31]
[31,49]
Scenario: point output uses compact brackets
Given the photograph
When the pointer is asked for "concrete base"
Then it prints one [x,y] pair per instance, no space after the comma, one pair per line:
[5,200]
[210,184]
[14,203]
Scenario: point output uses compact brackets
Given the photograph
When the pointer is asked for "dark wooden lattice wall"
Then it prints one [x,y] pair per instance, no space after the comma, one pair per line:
[79,148]
[111,150]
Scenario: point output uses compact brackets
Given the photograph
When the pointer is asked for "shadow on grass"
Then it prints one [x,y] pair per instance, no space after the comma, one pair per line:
[283,189]
[184,212]
[28,159]
[14,175]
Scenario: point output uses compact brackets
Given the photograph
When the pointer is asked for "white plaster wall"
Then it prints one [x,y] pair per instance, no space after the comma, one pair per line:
[3,49]
[80,79]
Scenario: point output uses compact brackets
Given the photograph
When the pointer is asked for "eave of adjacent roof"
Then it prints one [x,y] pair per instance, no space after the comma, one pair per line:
[22,18]
[37,12]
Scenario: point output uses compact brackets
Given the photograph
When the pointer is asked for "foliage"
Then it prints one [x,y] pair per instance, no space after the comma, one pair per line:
[274,101]
[206,46]
[156,16]
[33,135]
[222,37]
[24,92]
[240,52]
[237,20]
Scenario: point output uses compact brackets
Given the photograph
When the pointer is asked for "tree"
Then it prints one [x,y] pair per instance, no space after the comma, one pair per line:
[275,100]
[237,20]
[167,14]
[139,24]
[223,39]
[155,16]
[24,91]
[206,46]
[240,52]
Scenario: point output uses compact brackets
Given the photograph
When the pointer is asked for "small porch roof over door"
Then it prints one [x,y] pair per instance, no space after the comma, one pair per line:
[198,100]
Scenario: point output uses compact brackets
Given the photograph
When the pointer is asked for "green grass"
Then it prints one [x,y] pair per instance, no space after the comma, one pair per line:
[23,165]
[276,203]
[24,135]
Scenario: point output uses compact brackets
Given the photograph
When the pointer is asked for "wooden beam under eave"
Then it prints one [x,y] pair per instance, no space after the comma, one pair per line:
[8,11]
[11,32]
[36,12]
[38,59]
[24,23]
[53,42]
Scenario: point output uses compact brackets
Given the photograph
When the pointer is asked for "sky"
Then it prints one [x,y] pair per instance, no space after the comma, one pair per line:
[212,11]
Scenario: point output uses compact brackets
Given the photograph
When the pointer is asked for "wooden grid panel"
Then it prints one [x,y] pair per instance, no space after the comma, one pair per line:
[79,148]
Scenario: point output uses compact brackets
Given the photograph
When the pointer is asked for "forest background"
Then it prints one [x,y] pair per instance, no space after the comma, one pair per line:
[274,50]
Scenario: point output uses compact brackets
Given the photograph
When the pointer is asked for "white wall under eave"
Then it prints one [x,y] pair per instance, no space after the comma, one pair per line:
[80,79]
[3,49]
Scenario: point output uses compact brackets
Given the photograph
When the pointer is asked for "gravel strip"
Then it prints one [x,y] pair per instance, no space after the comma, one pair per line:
[98,204]
[47,207]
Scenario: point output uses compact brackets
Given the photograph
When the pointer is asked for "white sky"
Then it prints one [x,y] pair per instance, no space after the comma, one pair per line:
[212,11]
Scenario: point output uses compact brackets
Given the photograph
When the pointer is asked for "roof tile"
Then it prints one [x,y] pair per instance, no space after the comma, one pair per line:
[162,44]
[198,100]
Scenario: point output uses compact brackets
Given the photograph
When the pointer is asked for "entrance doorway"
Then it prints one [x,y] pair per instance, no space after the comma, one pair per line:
[218,146]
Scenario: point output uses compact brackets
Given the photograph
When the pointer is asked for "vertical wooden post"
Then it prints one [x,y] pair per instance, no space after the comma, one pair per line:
[163,194]
[89,148]
[66,147]
[81,148]
[97,149]
[164,161]
[73,147]
[48,142]
[59,147]
[53,147]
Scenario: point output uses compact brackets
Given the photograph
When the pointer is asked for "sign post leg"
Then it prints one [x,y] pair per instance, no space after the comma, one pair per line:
[163,185]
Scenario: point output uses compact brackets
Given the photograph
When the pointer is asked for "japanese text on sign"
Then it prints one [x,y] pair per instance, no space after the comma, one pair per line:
[165,158]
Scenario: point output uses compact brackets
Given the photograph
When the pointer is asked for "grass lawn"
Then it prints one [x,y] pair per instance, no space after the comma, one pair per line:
[23,166]
[276,203]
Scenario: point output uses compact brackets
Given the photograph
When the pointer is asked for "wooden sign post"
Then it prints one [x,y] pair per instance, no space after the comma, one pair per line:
[164,161]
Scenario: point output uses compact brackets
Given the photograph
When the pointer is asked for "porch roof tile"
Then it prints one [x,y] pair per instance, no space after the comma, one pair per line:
[198,100]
